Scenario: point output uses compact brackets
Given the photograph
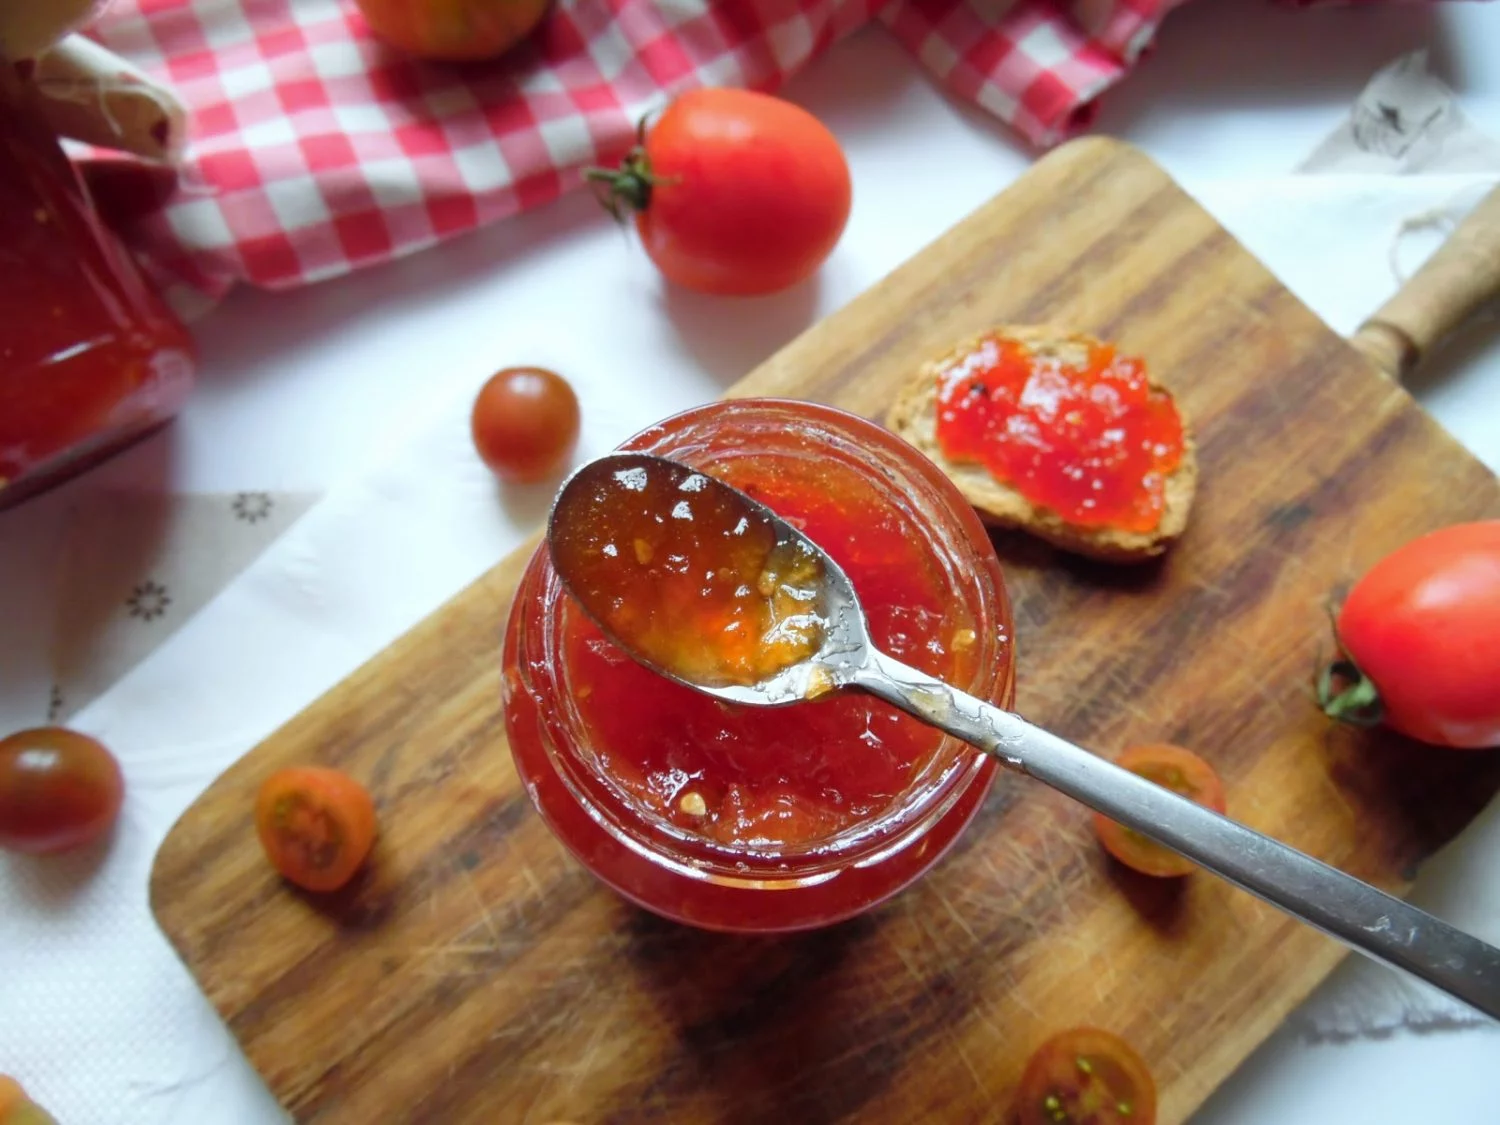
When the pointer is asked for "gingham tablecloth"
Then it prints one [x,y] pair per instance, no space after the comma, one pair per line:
[315,149]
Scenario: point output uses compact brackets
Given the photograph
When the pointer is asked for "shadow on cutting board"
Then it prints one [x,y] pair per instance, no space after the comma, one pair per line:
[765,1023]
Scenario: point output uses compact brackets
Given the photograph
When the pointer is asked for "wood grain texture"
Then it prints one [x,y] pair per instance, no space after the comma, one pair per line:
[477,974]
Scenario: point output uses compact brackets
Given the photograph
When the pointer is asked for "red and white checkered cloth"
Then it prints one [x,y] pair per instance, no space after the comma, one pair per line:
[314,149]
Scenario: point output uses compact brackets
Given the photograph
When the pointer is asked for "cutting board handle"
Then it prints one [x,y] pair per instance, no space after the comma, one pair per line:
[1461,277]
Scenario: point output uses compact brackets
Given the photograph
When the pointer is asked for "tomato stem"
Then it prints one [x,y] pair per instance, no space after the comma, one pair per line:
[1345,693]
[627,188]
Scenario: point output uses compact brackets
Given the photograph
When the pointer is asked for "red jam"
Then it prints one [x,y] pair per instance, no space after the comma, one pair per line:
[1091,439]
[90,357]
[767,820]
[763,776]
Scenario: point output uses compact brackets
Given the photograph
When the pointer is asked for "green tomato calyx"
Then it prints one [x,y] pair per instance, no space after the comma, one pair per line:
[1345,693]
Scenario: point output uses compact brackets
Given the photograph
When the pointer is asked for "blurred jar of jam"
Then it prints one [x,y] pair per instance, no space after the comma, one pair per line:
[91,358]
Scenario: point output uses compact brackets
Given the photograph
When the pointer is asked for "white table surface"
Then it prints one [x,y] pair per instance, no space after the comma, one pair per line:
[303,390]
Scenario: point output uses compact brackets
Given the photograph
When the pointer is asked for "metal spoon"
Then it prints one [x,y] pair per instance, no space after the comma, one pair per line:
[1367,919]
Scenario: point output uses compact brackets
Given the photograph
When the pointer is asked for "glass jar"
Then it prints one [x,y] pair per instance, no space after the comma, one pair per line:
[90,356]
[720,885]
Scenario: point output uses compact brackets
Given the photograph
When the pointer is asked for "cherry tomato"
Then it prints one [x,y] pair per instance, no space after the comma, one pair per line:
[453,30]
[1086,1076]
[525,423]
[1173,768]
[734,191]
[1419,630]
[317,825]
[58,790]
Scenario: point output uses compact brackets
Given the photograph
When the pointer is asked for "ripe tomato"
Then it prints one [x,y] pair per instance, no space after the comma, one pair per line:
[11,1094]
[453,30]
[1420,632]
[17,1109]
[525,423]
[734,191]
[1086,1076]
[317,825]
[58,790]
[1173,768]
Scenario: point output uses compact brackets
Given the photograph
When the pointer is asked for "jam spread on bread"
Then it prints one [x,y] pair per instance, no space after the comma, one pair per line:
[1078,430]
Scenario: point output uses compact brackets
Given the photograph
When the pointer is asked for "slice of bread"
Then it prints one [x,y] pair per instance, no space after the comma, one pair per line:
[913,415]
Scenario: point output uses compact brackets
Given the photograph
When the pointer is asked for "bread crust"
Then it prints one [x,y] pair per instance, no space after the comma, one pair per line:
[913,415]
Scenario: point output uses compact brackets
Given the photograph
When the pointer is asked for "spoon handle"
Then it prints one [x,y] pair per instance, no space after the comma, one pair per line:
[1369,920]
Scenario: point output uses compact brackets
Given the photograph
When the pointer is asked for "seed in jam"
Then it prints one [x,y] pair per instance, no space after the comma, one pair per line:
[706,590]
[1075,428]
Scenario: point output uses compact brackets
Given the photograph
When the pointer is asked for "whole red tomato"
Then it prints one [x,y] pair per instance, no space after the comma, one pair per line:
[734,191]
[1420,631]
[453,30]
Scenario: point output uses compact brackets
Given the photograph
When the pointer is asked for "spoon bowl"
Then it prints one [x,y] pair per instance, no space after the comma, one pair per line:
[844,644]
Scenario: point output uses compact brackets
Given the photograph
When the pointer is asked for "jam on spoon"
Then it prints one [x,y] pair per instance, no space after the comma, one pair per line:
[692,579]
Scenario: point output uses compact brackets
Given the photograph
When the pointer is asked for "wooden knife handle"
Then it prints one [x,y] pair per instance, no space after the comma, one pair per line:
[1461,277]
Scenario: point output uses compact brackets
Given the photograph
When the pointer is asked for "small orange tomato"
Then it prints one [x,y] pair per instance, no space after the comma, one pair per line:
[317,825]
[1173,768]
[11,1094]
[453,30]
[17,1109]
[1086,1076]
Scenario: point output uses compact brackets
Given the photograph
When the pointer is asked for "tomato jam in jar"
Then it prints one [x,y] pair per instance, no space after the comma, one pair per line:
[756,819]
[90,356]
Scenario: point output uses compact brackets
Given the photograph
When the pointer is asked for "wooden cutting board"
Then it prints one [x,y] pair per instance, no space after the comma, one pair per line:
[479,975]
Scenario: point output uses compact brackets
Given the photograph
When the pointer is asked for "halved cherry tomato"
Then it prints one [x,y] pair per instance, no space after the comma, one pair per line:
[525,423]
[1086,1076]
[17,1109]
[11,1095]
[1420,630]
[1173,768]
[58,790]
[317,825]
[734,191]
